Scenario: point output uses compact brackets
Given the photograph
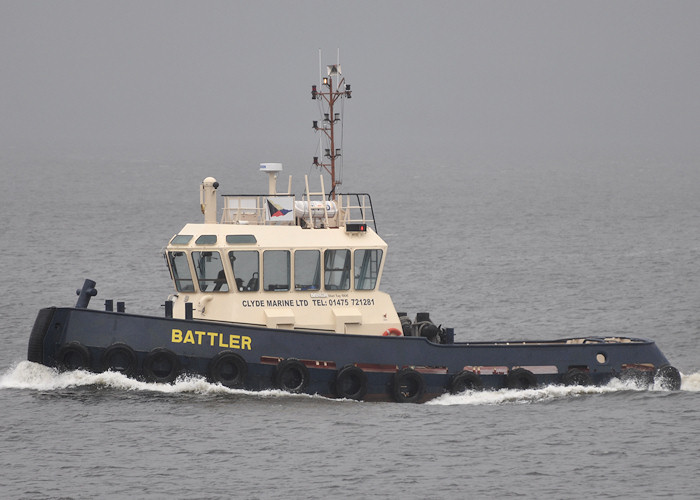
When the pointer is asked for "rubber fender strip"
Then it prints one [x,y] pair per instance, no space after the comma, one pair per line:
[35,350]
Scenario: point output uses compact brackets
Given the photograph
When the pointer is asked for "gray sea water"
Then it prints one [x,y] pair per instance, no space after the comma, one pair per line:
[496,250]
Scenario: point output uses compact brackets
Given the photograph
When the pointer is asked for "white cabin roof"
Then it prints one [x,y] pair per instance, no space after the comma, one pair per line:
[280,237]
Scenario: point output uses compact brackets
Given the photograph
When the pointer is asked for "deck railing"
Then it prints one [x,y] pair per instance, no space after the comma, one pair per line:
[262,209]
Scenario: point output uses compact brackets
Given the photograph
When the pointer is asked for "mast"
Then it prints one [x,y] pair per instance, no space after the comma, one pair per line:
[329,95]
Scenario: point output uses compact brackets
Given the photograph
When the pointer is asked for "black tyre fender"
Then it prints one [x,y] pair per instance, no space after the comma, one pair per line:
[466,381]
[576,376]
[668,377]
[73,356]
[161,365]
[228,369]
[292,375]
[120,358]
[408,386]
[520,378]
[351,383]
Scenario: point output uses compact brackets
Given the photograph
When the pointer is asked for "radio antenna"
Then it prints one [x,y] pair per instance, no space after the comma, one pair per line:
[330,90]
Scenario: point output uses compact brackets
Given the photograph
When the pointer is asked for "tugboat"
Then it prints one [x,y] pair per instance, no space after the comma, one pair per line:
[282,292]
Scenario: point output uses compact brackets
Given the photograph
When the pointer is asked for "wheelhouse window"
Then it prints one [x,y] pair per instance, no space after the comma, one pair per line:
[307,270]
[276,270]
[206,239]
[238,239]
[336,269]
[246,269]
[210,271]
[367,264]
[181,239]
[180,270]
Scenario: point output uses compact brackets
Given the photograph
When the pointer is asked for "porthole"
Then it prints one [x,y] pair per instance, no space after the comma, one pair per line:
[601,358]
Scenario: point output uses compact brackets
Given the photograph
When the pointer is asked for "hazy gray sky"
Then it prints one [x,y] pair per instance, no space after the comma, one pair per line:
[446,80]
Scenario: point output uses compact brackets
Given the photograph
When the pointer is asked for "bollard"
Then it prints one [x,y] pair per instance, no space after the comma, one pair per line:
[449,335]
[85,293]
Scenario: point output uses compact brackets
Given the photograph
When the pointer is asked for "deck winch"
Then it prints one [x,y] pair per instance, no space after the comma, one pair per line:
[423,326]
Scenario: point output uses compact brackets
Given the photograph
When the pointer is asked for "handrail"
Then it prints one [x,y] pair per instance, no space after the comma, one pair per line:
[250,209]
[249,213]
[364,202]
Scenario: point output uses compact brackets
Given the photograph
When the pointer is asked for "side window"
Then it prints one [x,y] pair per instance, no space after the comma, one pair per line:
[307,270]
[246,269]
[276,270]
[367,264]
[336,269]
[181,271]
[210,271]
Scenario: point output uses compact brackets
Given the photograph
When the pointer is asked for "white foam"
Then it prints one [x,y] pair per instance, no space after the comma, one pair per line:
[33,376]
[553,392]
[690,382]
[514,396]
[28,375]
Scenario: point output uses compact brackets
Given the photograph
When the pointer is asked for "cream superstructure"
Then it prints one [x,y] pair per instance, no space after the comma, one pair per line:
[283,262]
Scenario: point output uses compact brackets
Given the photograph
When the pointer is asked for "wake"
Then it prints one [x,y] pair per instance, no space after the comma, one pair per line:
[689,383]
[33,376]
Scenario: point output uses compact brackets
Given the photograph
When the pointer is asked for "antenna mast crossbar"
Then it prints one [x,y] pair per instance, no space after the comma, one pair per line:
[329,95]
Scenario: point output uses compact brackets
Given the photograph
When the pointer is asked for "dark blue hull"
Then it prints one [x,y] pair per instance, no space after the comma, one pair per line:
[374,368]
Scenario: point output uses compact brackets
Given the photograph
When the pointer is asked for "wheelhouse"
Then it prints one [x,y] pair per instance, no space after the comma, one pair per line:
[209,267]
[276,261]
